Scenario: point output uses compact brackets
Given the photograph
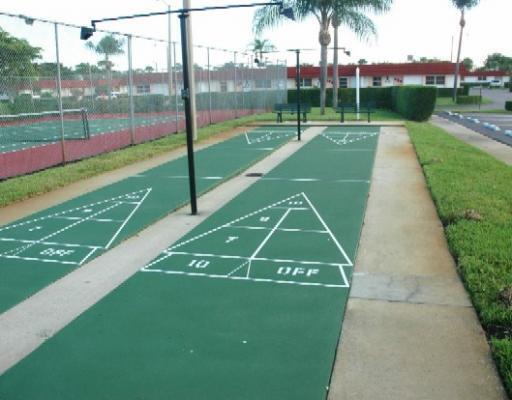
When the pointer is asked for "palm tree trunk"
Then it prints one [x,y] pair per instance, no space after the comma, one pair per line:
[324,38]
[457,64]
[323,78]
[335,78]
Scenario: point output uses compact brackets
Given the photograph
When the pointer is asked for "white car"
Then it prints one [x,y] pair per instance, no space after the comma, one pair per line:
[495,83]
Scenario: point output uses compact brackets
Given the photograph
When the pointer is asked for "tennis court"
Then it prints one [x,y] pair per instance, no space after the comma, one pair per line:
[248,305]
[32,132]
[39,249]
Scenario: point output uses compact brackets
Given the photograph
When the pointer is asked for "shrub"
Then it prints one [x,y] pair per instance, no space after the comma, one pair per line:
[448,92]
[380,96]
[508,105]
[468,99]
[415,103]
[5,109]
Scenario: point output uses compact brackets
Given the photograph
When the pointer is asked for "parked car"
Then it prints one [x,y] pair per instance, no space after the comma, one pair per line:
[495,83]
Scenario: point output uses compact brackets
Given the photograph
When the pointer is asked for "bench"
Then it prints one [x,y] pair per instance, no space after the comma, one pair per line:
[346,108]
[291,108]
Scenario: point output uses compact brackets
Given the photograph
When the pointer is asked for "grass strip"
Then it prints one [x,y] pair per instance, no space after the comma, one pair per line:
[473,196]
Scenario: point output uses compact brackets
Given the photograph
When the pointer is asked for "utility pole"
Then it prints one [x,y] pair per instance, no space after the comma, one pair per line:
[192,81]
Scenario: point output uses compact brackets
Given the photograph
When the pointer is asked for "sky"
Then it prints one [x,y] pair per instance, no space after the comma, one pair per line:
[421,28]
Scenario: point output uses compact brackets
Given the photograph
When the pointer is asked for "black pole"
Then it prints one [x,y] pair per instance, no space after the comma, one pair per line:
[297,75]
[185,95]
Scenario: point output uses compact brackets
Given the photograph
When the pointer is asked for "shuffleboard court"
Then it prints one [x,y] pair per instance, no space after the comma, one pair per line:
[20,136]
[39,249]
[248,305]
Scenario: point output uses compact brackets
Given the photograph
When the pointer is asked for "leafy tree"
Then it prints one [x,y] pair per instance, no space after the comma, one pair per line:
[107,47]
[351,13]
[149,69]
[498,61]
[362,61]
[16,62]
[86,69]
[468,63]
[462,5]
[259,46]
[49,70]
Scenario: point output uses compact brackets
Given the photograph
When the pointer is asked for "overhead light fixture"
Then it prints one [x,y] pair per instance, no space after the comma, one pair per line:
[287,12]
[86,32]
[28,20]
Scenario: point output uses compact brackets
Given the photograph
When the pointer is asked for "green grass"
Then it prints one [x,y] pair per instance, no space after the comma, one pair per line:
[473,196]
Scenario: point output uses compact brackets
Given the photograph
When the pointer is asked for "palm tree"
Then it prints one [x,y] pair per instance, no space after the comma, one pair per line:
[108,46]
[462,5]
[259,46]
[353,16]
[323,11]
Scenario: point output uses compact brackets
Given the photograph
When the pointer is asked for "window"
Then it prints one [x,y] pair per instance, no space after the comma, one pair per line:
[377,81]
[223,86]
[435,80]
[482,78]
[343,83]
[306,82]
[143,89]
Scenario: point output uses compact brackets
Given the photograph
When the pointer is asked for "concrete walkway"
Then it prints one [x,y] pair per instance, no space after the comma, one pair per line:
[496,149]
[410,331]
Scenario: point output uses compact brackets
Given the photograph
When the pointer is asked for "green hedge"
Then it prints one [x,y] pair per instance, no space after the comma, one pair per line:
[416,103]
[468,99]
[508,105]
[380,96]
[448,92]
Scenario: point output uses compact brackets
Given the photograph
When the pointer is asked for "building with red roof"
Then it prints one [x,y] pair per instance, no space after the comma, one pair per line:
[439,74]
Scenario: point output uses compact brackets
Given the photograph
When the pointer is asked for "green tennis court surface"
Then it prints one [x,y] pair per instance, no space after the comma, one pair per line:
[39,249]
[248,305]
[36,133]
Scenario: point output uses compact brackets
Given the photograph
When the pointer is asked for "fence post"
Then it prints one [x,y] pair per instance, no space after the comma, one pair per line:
[234,88]
[209,84]
[242,86]
[59,95]
[130,91]
[176,86]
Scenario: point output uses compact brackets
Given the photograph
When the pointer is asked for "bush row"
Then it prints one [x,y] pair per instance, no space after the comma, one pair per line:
[380,96]
[508,105]
[413,102]
[448,92]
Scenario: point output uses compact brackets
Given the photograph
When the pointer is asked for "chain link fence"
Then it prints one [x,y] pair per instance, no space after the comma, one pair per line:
[63,99]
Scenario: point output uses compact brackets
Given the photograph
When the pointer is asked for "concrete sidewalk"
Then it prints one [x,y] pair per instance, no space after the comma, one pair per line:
[410,331]
[496,149]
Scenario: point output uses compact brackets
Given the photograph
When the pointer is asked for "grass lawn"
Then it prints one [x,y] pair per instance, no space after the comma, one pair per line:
[21,188]
[473,196]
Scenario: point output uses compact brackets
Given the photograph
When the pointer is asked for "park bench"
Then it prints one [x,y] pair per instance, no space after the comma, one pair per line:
[291,108]
[348,108]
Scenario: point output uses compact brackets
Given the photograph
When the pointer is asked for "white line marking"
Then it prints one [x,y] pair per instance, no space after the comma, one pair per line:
[245,278]
[49,243]
[40,259]
[327,229]
[238,268]
[129,217]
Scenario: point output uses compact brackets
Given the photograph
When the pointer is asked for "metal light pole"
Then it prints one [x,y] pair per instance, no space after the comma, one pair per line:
[185,95]
[297,75]
[87,32]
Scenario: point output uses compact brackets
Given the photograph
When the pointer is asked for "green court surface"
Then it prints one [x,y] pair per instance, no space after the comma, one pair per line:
[248,305]
[39,249]
[38,133]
